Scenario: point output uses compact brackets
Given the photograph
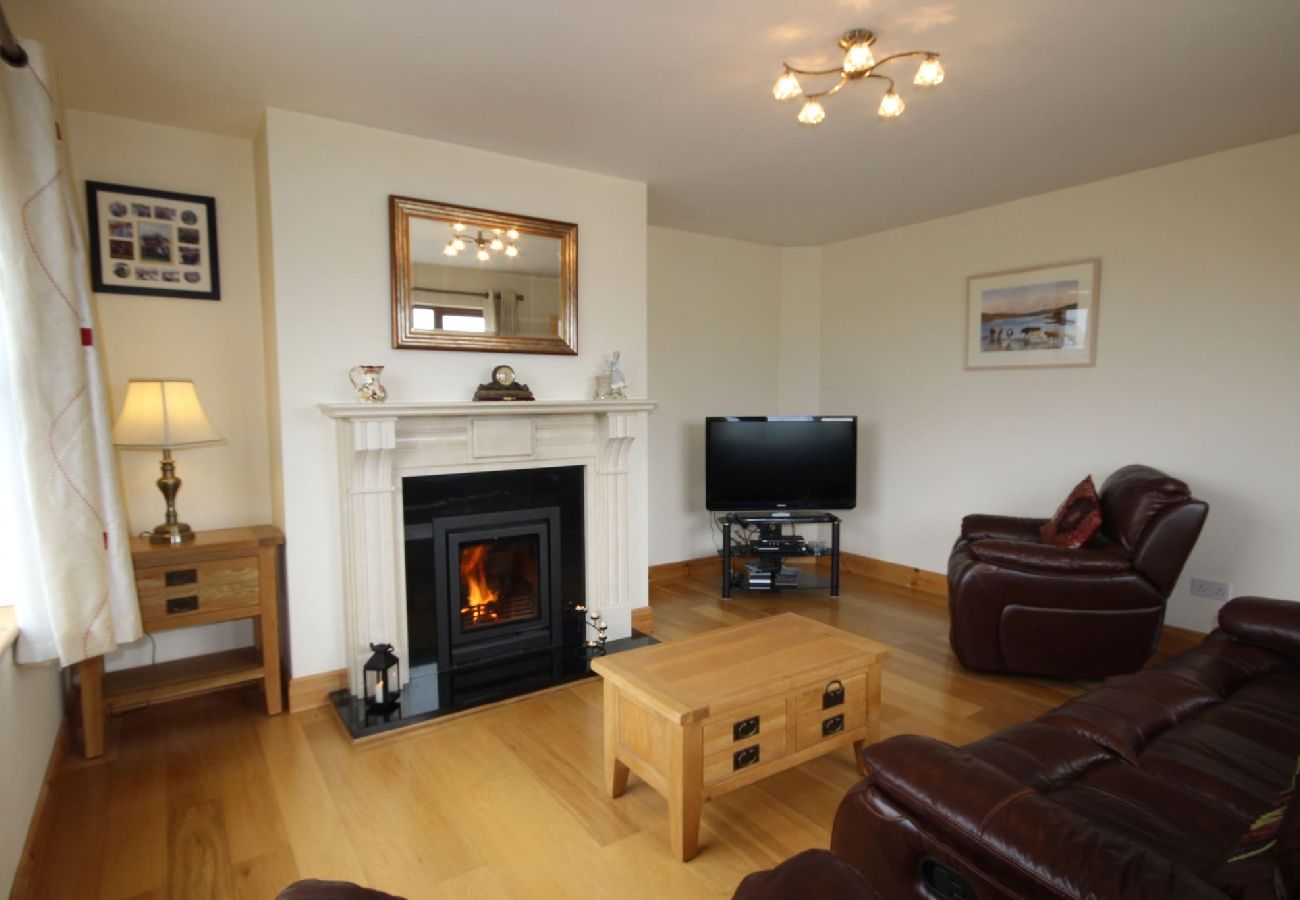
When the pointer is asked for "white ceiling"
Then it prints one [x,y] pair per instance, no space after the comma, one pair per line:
[1041,94]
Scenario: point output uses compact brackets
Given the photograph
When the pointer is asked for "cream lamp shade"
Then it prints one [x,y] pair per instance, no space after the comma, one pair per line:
[164,415]
[160,414]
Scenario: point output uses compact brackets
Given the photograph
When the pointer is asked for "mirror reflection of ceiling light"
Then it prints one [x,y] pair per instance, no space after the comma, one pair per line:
[484,244]
[859,63]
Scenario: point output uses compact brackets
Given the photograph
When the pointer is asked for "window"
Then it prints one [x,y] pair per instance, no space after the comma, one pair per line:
[448,318]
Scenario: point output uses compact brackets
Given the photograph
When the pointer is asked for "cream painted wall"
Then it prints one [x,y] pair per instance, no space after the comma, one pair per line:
[328,183]
[800,331]
[31,708]
[1196,371]
[715,312]
[216,343]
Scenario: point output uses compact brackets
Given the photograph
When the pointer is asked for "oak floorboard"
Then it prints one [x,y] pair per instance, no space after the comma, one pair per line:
[207,797]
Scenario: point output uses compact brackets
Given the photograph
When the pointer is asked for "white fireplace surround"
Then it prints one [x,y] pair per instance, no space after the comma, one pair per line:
[379,444]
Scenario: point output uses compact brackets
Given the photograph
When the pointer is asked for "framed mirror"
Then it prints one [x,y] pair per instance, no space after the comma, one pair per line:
[474,279]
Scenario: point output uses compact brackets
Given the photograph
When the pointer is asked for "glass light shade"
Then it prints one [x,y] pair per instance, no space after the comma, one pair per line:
[930,73]
[811,113]
[497,244]
[512,234]
[787,86]
[161,414]
[858,58]
[449,250]
[891,105]
[483,255]
[459,226]
[458,244]
[512,251]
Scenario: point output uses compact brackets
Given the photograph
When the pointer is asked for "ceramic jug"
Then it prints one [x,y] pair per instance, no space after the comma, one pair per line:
[366,380]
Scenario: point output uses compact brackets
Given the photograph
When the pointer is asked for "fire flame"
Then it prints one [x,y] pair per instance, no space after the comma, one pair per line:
[473,574]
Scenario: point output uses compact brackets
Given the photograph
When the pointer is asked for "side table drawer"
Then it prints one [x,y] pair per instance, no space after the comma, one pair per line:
[183,592]
[821,714]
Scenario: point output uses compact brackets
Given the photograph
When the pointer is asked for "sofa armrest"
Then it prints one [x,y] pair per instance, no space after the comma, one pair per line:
[981,527]
[812,873]
[1260,620]
[1051,560]
[1013,832]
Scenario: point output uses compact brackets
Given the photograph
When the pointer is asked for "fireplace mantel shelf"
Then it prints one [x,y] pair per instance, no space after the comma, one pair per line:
[483,408]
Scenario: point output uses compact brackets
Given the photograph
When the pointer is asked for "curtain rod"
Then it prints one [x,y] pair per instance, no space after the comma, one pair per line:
[10,50]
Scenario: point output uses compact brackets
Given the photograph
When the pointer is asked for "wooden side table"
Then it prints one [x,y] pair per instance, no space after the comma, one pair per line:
[220,576]
[700,717]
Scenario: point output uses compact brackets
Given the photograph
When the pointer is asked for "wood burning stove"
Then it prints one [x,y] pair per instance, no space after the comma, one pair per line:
[497,598]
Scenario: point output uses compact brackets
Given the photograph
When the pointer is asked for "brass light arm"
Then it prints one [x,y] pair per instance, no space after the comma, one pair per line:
[893,56]
[835,89]
[881,77]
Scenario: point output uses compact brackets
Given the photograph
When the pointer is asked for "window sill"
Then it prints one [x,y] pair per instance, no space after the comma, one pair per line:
[8,629]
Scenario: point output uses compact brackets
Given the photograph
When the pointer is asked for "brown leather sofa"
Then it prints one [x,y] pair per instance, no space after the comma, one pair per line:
[1022,606]
[1142,788]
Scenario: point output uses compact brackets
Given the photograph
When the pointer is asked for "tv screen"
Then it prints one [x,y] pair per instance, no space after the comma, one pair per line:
[780,462]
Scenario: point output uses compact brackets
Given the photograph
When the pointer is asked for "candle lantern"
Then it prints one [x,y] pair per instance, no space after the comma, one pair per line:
[382,680]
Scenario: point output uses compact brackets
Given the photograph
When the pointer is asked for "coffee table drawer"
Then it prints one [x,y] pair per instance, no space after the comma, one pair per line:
[826,709]
[743,738]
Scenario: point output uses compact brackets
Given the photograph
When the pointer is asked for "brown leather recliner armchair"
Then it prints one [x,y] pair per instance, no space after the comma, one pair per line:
[1023,606]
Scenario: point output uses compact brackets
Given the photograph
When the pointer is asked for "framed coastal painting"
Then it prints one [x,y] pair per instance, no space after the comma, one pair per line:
[1042,316]
[155,243]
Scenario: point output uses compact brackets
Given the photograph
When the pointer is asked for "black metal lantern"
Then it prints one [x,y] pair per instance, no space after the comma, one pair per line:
[382,680]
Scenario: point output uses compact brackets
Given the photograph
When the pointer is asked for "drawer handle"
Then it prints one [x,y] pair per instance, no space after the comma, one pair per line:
[743,758]
[833,725]
[183,604]
[181,576]
[833,695]
[745,728]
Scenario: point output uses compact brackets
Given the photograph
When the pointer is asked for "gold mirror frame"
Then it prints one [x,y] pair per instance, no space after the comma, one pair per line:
[400,212]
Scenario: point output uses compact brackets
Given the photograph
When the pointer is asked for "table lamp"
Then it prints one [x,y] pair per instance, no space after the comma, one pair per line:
[164,415]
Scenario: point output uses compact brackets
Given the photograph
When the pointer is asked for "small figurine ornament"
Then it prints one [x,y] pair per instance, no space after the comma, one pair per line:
[617,382]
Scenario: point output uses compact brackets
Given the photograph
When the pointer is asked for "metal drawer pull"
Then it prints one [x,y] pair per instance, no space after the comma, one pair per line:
[183,604]
[745,728]
[832,725]
[833,695]
[181,576]
[742,758]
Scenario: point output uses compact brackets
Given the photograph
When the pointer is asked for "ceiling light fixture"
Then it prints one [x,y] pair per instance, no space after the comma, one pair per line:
[859,63]
[483,244]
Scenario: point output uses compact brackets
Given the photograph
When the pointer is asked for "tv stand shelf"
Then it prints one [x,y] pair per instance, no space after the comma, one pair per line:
[771,550]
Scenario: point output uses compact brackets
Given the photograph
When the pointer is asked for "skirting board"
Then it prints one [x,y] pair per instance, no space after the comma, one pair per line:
[643,620]
[311,691]
[39,828]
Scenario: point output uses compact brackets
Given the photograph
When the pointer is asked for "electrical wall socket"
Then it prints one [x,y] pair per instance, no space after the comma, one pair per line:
[1210,590]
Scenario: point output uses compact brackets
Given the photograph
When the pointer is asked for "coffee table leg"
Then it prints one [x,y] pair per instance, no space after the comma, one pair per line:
[685,791]
[615,771]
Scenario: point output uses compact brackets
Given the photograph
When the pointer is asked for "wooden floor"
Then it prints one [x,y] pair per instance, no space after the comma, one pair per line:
[209,798]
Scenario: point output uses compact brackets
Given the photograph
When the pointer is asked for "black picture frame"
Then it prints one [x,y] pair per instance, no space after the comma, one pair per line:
[149,248]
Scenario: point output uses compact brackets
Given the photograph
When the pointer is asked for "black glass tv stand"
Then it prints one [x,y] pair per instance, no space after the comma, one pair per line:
[771,547]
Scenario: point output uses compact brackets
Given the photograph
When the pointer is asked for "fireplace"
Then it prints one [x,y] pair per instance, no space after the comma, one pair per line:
[494,581]
[403,465]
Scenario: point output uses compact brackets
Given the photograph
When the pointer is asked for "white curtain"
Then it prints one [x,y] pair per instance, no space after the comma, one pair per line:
[64,548]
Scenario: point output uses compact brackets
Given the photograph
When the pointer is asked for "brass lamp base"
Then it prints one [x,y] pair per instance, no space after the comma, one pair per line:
[171,533]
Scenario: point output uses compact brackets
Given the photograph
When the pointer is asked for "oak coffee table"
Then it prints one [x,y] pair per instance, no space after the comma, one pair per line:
[699,717]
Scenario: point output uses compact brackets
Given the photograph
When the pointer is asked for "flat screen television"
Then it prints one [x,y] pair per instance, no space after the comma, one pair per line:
[754,463]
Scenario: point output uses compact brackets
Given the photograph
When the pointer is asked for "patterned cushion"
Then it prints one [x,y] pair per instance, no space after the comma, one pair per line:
[1262,835]
[1076,520]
